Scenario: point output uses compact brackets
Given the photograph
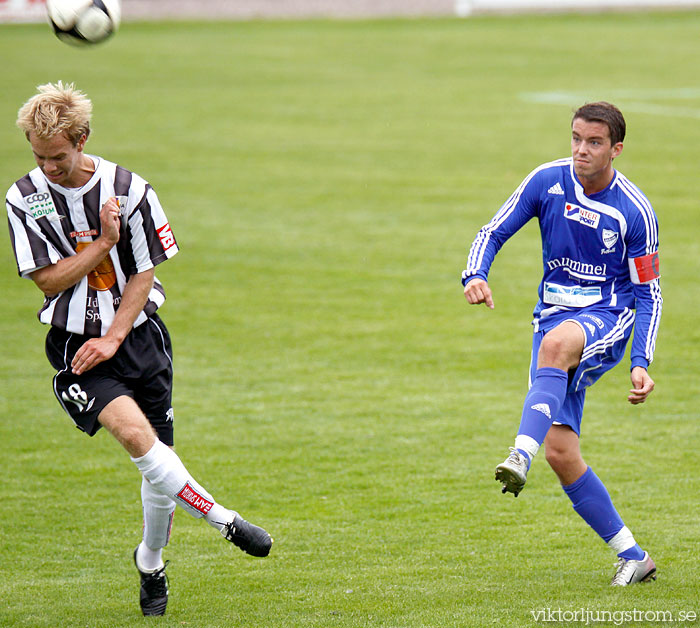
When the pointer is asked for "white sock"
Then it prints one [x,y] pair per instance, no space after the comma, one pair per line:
[527,444]
[622,541]
[157,516]
[219,516]
[168,476]
[148,560]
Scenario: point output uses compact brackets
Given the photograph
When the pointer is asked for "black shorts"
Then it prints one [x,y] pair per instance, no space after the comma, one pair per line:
[141,368]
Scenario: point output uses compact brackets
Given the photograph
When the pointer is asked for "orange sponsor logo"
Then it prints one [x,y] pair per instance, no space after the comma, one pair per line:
[103,276]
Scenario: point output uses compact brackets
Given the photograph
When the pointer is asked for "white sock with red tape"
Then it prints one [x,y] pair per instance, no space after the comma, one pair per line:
[166,474]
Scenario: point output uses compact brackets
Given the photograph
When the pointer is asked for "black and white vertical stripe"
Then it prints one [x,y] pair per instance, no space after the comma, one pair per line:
[74,217]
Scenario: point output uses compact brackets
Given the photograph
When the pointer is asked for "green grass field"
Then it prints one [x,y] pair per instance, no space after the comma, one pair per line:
[324,180]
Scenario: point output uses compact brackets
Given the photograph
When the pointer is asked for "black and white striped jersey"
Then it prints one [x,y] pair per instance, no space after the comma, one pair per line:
[49,222]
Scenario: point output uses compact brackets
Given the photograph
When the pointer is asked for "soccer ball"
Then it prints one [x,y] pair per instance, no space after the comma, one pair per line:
[81,22]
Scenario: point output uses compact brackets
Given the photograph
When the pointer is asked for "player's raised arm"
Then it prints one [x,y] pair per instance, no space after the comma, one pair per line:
[69,271]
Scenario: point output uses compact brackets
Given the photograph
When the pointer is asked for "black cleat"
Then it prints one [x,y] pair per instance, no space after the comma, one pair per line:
[250,538]
[154,590]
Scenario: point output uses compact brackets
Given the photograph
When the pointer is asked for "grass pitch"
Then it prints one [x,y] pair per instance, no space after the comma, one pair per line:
[324,181]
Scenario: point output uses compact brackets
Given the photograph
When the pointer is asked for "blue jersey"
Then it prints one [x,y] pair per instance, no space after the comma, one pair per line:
[598,251]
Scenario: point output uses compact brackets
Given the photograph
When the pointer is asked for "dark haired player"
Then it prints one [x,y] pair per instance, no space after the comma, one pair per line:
[600,280]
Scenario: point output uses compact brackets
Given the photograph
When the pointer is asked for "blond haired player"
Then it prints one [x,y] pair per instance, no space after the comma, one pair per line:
[89,234]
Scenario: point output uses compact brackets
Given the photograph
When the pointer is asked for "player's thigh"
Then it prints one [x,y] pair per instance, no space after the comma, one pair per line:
[84,397]
[561,347]
[127,423]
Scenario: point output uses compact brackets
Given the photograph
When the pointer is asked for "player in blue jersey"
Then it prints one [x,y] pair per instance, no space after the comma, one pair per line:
[600,280]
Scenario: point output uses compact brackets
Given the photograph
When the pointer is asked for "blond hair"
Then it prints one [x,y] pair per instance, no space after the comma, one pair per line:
[54,109]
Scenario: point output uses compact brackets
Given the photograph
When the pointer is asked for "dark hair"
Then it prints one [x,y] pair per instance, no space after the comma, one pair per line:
[606,113]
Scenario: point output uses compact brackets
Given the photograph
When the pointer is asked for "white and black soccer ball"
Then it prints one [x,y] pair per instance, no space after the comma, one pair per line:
[81,22]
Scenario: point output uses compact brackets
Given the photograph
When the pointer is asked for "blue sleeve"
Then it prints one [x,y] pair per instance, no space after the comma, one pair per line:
[648,306]
[523,205]
[643,241]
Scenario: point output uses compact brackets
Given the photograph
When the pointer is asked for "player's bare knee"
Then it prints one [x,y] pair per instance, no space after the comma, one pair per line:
[555,457]
[125,421]
[559,457]
[137,439]
[556,352]
[566,462]
[551,350]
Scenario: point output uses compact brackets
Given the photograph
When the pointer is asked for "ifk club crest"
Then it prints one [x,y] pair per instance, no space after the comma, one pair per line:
[609,238]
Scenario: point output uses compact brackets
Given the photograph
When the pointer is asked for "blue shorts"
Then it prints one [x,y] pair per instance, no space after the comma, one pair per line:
[607,333]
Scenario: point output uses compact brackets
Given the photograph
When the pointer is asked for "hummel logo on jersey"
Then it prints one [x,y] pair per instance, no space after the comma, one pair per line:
[556,189]
[543,408]
[76,395]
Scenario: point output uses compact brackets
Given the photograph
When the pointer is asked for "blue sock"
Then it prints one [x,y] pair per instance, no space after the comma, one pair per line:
[633,553]
[592,502]
[527,457]
[542,403]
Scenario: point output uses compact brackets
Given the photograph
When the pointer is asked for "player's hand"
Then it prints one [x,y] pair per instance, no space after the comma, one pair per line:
[643,385]
[477,291]
[110,220]
[93,352]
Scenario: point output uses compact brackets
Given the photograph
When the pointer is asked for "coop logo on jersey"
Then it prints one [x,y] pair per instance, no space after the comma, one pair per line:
[167,239]
[582,215]
[192,498]
[41,206]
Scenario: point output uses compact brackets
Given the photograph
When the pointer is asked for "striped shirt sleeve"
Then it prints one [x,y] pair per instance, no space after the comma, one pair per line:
[152,240]
[522,205]
[642,243]
[32,247]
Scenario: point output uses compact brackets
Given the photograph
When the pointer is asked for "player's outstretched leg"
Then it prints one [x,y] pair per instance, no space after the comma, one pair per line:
[541,406]
[166,474]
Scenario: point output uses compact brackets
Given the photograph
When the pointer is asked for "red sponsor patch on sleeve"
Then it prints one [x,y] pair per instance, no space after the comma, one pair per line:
[645,269]
[167,239]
